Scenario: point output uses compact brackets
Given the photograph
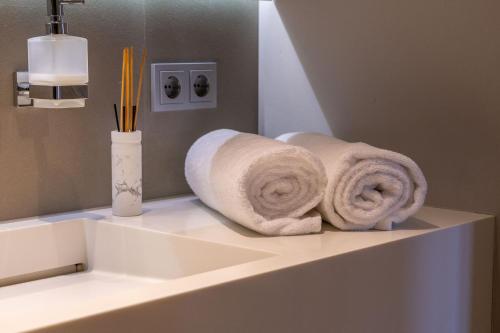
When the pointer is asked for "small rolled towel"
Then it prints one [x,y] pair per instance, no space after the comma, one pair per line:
[263,184]
[367,187]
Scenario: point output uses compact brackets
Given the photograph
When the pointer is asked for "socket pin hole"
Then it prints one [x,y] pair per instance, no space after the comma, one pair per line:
[201,86]
[172,87]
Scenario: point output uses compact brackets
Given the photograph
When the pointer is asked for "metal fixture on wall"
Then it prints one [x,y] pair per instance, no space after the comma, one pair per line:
[58,65]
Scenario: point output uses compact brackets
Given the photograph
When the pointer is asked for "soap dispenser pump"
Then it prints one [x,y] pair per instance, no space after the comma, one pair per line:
[58,63]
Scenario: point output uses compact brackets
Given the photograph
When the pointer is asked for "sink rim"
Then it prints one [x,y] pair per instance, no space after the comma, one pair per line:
[90,237]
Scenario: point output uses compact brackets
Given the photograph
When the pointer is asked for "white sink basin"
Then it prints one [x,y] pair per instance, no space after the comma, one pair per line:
[105,250]
[180,267]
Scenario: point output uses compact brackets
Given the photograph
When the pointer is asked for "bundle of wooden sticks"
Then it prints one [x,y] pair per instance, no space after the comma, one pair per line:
[126,119]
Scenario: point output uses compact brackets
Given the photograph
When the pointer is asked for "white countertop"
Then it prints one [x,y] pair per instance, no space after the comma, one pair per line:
[34,305]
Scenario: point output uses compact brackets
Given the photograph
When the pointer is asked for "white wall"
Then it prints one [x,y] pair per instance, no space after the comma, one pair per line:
[286,99]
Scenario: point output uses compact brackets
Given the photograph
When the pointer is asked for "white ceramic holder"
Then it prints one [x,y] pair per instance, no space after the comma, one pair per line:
[126,165]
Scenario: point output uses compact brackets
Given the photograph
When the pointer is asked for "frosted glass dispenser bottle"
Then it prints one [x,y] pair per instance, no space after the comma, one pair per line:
[58,63]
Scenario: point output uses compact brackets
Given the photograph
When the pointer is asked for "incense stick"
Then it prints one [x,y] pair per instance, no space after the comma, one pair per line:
[127,122]
[139,86]
[127,91]
[131,64]
[122,113]
[116,117]
[134,116]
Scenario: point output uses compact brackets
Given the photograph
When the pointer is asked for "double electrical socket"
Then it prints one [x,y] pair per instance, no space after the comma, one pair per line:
[183,86]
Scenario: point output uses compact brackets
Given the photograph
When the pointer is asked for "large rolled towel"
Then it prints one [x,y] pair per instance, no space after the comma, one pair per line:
[367,187]
[263,184]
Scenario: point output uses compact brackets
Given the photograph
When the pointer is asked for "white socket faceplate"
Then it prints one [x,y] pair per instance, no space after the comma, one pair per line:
[185,74]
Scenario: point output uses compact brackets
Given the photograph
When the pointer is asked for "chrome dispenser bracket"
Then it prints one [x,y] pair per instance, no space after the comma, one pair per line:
[22,90]
[24,93]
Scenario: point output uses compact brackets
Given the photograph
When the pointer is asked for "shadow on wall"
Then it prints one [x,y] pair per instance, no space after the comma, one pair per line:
[412,77]
[389,69]
[416,77]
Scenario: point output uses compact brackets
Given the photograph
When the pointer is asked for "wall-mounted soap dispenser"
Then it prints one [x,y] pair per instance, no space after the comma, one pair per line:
[58,65]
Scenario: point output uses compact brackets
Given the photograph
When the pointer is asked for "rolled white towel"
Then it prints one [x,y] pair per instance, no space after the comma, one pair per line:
[263,184]
[367,187]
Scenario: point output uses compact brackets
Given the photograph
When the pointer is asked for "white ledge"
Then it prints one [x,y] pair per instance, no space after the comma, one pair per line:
[49,305]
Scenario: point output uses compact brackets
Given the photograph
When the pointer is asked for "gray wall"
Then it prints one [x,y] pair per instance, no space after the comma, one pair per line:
[419,77]
[54,161]
[220,30]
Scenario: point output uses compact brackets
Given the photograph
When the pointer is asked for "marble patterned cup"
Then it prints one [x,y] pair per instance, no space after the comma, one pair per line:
[126,170]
